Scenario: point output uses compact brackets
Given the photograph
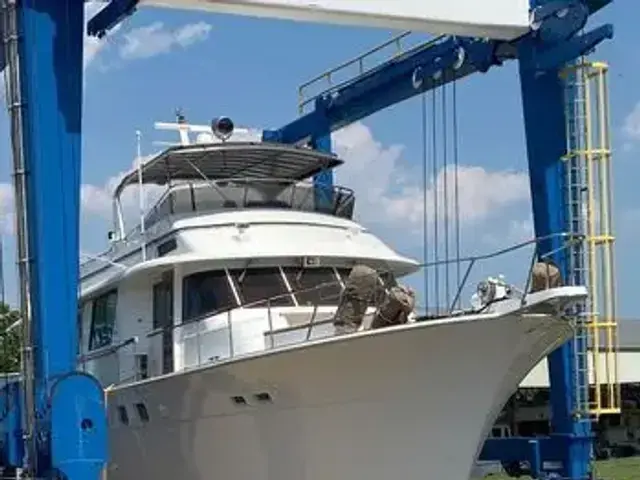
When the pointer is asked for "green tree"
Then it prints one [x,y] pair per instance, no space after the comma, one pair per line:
[10,341]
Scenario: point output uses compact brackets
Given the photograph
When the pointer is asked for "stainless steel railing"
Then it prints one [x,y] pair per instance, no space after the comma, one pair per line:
[227,323]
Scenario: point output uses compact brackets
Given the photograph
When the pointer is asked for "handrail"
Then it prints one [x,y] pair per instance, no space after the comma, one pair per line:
[100,258]
[343,196]
[244,305]
[105,351]
[308,324]
[356,60]
[500,252]
[327,75]
[472,260]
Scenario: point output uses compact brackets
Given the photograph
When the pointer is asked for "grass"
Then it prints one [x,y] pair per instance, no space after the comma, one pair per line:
[619,469]
[616,469]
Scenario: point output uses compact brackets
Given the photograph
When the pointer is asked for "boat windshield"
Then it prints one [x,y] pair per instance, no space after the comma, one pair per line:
[247,193]
[215,291]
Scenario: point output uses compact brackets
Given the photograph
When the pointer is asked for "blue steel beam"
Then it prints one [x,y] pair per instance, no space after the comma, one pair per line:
[543,109]
[595,5]
[69,438]
[446,60]
[11,406]
[555,40]
[543,101]
[323,181]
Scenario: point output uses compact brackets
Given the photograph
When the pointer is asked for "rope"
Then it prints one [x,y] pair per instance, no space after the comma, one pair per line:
[445,174]
[443,149]
[456,200]
[425,212]
[436,239]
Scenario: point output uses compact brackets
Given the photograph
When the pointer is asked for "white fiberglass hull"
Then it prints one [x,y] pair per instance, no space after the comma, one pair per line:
[413,402]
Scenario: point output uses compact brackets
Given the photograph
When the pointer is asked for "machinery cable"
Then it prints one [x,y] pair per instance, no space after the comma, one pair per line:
[441,195]
[434,165]
[425,211]
[456,195]
[445,189]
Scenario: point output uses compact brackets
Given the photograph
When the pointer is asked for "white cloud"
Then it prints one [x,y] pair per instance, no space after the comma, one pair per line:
[632,123]
[142,42]
[97,200]
[389,194]
[155,39]
[514,232]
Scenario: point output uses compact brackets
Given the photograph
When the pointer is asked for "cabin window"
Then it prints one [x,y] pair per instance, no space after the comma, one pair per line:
[306,284]
[167,247]
[142,366]
[103,319]
[256,284]
[206,293]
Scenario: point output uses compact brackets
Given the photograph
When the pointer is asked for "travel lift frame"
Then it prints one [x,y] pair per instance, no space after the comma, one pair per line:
[62,430]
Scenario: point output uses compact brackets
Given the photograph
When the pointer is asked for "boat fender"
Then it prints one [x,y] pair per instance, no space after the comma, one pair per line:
[360,287]
[396,307]
[545,275]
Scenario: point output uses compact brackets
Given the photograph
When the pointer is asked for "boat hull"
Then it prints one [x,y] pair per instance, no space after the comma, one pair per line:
[411,402]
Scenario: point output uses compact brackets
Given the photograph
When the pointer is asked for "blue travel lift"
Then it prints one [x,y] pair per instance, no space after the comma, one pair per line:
[56,427]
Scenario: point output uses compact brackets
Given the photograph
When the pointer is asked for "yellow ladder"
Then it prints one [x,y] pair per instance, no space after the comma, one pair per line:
[588,162]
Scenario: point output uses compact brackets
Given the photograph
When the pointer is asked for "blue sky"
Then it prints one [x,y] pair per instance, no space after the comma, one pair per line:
[250,69]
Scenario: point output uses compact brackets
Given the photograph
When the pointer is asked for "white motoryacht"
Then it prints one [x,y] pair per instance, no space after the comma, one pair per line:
[236,339]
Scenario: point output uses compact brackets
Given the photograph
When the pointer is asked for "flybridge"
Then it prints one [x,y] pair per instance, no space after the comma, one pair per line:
[233,165]
[222,151]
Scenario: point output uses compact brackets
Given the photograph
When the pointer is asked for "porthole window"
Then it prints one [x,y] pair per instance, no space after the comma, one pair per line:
[142,412]
[122,413]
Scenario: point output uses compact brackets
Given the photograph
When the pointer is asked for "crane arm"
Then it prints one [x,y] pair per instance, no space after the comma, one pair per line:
[437,62]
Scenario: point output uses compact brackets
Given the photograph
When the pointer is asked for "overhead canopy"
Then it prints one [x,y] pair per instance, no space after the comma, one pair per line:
[231,160]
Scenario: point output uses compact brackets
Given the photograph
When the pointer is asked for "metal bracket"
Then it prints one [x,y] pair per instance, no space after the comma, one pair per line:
[558,20]
[573,48]
[110,16]
[595,5]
